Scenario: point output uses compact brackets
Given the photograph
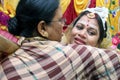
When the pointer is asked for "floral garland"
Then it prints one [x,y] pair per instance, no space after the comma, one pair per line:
[116,41]
[5,14]
[4,20]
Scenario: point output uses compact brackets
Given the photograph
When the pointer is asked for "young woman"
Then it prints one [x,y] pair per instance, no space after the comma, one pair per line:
[89,28]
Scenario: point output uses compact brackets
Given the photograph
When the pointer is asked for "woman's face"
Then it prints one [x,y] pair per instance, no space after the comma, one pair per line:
[85,31]
[55,28]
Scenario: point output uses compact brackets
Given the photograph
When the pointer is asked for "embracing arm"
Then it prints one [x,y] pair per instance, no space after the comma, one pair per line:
[7,44]
[100,64]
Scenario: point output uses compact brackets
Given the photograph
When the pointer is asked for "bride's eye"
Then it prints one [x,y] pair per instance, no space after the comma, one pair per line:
[79,27]
[92,32]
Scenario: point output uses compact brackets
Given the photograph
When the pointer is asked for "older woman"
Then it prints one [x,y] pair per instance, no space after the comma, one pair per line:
[42,57]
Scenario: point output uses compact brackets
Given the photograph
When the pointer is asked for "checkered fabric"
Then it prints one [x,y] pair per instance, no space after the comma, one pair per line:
[49,60]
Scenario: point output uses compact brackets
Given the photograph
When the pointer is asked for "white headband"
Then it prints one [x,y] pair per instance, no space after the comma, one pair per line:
[101,11]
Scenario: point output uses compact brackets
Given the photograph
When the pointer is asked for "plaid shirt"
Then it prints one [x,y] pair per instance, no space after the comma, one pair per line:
[49,60]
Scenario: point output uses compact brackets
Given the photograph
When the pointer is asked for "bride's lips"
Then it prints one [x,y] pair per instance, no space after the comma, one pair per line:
[78,41]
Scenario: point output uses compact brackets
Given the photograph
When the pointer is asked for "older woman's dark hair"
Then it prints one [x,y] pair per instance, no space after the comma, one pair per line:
[28,15]
[103,33]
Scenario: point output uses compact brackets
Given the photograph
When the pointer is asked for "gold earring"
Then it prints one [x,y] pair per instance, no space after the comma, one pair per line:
[45,34]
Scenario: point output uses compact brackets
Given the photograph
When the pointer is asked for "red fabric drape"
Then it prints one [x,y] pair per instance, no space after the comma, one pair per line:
[92,4]
[70,13]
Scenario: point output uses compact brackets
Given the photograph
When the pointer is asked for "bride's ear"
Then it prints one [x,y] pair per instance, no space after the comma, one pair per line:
[42,29]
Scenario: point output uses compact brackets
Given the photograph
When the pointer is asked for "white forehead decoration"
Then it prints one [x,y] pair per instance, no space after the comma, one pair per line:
[101,11]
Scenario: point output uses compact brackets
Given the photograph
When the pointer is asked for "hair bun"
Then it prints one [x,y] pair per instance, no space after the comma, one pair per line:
[12,26]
